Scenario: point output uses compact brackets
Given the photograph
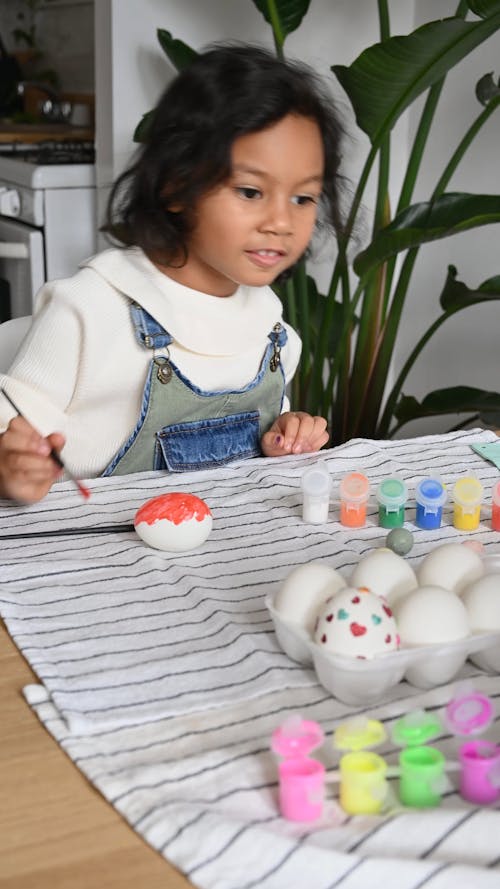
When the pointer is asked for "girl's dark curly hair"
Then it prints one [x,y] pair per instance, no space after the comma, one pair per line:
[226,92]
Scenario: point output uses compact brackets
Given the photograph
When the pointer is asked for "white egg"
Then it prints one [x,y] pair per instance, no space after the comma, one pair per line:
[482,601]
[432,614]
[384,573]
[452,566]
[304,590]
[174,522]
[356,623]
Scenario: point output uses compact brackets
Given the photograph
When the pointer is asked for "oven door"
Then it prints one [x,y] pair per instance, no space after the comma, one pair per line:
[22,267]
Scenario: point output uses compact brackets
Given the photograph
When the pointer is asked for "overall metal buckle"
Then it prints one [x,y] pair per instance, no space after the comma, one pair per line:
[163,369]
[274,363]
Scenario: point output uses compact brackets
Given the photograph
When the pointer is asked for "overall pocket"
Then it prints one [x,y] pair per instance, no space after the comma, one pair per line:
[206,443]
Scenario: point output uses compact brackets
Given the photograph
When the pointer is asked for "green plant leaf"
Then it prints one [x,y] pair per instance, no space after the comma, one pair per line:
[456,295]
[284,16]
[386,78]
[334,332]
[315,301]
[179,53]
[453,400]
[483,8]
[428,221]
[487,89]
[142,128]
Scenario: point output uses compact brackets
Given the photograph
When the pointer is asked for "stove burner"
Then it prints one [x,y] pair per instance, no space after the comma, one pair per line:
[50,152]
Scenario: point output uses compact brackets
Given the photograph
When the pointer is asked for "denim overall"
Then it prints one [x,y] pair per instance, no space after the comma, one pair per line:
[181,426]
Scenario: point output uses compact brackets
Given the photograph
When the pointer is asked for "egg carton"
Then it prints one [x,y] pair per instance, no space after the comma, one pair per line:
[358,681]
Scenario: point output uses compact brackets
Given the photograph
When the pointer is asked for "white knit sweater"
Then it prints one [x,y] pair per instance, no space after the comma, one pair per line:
[81,371]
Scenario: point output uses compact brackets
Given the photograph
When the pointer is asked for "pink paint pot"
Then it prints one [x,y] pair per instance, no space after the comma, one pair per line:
[301,778]
[302,788]
[480,774]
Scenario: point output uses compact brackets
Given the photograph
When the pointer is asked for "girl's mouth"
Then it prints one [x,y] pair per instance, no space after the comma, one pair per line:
[265,259]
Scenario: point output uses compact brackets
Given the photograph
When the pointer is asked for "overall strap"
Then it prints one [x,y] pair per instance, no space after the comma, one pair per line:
[149,333]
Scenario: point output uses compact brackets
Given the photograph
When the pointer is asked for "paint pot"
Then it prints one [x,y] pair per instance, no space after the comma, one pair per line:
[354,492]
[301,779]
[391,496]
[480,772]
[495,507]
[316,486]
[363,784]
[467,498]
[430,495]
[422,779]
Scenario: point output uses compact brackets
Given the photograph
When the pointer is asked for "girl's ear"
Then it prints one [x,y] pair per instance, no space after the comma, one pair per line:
[171,207]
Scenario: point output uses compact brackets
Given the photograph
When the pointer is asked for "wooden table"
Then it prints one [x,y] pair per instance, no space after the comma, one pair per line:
[56,831]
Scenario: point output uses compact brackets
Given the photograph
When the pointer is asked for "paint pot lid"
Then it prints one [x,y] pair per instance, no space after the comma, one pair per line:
[468,492]
[296,737]
[469,713]
[392,493]
[359,733]
[431,493]
[416,728]
[354,487]
[317,481]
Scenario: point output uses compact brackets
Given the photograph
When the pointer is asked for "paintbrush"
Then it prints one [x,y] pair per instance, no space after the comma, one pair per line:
[69,532]
[84,491]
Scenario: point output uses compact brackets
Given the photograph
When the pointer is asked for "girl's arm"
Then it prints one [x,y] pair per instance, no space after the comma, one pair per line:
[41,379]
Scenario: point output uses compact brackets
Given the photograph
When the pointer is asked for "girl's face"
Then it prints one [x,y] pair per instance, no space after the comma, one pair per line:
[259,222]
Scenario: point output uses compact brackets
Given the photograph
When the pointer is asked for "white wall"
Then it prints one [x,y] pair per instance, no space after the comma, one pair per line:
[130,78]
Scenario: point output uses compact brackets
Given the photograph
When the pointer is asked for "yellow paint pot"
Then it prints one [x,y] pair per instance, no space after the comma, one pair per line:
[363,785]
[467,498]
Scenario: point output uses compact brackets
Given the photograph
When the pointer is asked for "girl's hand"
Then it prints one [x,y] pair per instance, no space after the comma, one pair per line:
[27,471]
[294,433]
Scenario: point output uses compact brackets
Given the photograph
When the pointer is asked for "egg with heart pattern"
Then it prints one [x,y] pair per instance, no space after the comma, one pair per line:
[357,623]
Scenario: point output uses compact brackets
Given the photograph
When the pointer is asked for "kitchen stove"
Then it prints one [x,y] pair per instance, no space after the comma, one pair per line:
[51,152]
[47,217]
[46,165]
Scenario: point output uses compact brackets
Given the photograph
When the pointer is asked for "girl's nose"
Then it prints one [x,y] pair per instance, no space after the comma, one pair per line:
[277,217]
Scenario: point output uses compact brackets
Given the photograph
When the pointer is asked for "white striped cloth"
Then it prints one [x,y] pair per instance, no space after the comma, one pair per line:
[162,679]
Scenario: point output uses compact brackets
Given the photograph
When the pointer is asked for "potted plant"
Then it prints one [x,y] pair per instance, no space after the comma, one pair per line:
[349,333]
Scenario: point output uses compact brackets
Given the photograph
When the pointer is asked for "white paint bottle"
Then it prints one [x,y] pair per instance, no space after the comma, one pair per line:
[316,486]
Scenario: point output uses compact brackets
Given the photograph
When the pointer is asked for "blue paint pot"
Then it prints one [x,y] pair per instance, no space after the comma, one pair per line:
[430,496]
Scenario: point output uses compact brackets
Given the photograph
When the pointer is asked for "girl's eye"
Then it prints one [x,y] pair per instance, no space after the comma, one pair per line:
[248,192]
[302,199]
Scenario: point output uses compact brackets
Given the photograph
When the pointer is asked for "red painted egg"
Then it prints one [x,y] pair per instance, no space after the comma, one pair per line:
[174,522]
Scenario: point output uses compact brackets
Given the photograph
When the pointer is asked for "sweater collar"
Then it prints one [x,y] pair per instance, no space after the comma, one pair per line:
[209,325]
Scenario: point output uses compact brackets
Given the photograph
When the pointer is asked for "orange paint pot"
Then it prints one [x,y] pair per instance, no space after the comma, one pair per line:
[495,508]
[354,492]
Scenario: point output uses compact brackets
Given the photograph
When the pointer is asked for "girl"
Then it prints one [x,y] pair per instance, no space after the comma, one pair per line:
[170,351]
